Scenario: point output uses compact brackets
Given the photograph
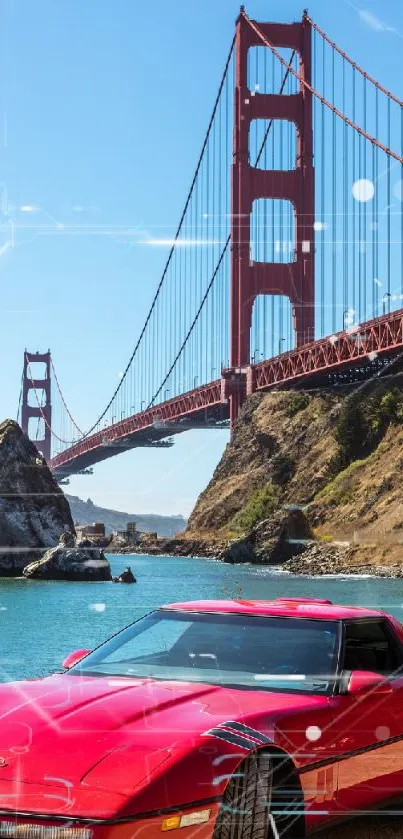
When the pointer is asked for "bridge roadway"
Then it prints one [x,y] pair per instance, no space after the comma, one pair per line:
[357,352]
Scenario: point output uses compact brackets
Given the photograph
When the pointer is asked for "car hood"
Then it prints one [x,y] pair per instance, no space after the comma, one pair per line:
[68,731]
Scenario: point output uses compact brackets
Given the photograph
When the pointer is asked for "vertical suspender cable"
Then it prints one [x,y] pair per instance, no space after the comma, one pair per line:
[345,199]
[322,200]
[273,299]
[264,230]
[205,252]
[388,212]
[334,205]
[376,202]
[373,225]
[364,231]
[281,241]
[354,242]
[400,193]
[360,315]
[256,319]
[212,372]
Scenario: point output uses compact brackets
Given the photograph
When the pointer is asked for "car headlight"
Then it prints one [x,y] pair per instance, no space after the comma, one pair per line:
[188,819]
[12,830]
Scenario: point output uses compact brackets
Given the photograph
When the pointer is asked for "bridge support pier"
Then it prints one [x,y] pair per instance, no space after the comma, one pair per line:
[249,278]
[44,411]
[234,390]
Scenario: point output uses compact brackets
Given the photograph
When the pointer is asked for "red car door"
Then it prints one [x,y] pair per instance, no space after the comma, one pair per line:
[369,722]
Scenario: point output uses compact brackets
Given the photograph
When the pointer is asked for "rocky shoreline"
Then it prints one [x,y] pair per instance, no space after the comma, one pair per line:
[312,558]
[171,547]
[321,559]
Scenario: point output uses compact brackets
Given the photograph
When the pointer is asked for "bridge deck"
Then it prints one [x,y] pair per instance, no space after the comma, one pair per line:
[371,342]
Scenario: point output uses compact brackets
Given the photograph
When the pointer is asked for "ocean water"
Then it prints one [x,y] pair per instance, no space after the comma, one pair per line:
[41,622]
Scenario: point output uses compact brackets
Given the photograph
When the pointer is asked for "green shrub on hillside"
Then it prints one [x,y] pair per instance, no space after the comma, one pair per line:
[342,488]
[363,422]
[262,503]
[391,406]
[296,403]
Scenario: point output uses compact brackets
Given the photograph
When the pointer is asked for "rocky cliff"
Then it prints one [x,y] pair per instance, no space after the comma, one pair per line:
[33,510]
[279,454]
[335,457]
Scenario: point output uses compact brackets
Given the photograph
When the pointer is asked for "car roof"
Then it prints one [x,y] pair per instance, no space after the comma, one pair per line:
[301,607]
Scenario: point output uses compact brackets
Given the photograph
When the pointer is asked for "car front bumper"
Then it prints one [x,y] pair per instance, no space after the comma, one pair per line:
[149,826]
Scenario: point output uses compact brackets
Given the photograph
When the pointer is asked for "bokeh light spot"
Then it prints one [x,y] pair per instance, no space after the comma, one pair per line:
[363,190]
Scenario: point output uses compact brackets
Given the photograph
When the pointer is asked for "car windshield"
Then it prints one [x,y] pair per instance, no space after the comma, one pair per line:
[245,651]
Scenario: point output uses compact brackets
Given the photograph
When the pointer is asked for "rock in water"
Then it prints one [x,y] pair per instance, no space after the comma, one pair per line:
[126,576]
[33,510]
[83,561]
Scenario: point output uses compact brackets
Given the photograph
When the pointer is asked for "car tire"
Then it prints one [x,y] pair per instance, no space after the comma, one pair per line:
[245,808]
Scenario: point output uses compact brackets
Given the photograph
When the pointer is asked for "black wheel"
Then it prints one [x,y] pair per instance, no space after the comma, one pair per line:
[245,808]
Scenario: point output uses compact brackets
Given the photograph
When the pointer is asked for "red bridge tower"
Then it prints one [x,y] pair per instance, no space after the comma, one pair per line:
[44,411]
[249,278]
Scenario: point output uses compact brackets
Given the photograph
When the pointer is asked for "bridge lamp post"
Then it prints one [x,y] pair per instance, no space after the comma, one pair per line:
[165,393]
[195,381]
[280,342]
[113,420]
[384,298]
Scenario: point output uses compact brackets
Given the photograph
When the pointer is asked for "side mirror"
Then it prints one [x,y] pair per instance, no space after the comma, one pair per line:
[361,681]
[74,658]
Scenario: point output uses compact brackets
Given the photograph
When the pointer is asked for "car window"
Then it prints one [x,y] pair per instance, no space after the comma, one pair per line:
[157,637]
[371,645]
[267,653]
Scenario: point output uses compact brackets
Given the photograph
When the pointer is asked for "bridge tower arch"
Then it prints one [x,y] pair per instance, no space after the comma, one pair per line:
[249,278]
[43,411]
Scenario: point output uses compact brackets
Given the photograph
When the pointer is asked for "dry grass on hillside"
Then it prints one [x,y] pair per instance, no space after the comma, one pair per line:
[287,450]
[270,445]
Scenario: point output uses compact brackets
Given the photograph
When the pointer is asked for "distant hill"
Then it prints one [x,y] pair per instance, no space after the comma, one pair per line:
[85,512]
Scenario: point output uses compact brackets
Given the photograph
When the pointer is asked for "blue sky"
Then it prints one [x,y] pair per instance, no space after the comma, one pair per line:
[103,107]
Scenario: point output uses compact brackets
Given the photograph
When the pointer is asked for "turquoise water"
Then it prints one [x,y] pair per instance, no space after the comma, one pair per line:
[41,622]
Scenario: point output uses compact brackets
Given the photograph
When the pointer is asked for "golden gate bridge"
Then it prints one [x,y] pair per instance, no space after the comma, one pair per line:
[286,269]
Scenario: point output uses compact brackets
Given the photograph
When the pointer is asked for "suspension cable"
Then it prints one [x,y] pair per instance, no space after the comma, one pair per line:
[164,273]
[167,264]
[193,324]
[221,257]
[64,401]
[319,96]
[20,397]
[353,63]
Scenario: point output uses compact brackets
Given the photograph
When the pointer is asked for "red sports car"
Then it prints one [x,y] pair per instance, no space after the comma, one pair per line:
[216,719]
